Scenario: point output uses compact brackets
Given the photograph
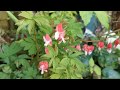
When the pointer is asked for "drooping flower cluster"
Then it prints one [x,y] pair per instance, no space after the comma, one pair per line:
[88,49]
[60,36]
[47,40]
[60,33]
[101,45]
[109,45]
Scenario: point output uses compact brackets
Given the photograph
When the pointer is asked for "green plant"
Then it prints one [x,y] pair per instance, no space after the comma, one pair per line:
[52,48]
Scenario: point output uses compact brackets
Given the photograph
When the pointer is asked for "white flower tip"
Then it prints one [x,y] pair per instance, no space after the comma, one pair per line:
[63,40]
[44,38]
[99,48]
[45,44]
[118,46]
[86,53]
[109,50]
[42,71]
[56,35]
[90,53]
[45,70]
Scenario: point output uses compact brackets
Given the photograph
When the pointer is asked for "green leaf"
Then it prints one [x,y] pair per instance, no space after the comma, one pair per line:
[110,73]
[73,76]
[29,45]
[80,66]
[91,70]
[4,75]
[31,27]
[51,61]
[55,76]
[84,59]
[23,25]
[101,61]
[32,50]
[56,50]
[30,73]
[10,50]
[14,48]
[17,64]
[65,61]
[19,22]
[74,29]
[24,62]
[27,14]
[86,16]
[91,62]
[18,74]
[79,75]
[75,54]
[52,52]
[72,49]
[53,15]
[46,29]
[6,60]
[23,56]
[45,56]
[111,61]
[103,18]
[40,20]
[56,62]
[61,68]
[6,69]
[2,65]
[97,70]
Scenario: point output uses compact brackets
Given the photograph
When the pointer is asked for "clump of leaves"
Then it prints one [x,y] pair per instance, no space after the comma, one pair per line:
[65,62]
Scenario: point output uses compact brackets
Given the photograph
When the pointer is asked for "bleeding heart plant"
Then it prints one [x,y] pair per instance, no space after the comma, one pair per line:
[55,47]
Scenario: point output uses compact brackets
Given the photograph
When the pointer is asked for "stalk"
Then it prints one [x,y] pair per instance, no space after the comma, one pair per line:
[36,44]
[10,14]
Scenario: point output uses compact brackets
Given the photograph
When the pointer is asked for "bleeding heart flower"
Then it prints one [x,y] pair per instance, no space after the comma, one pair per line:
[116,42]
[109,47]
[88,49]
[47,40]
[78,47]
[46,50]
[100,45]
[43,66]
[60,33]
